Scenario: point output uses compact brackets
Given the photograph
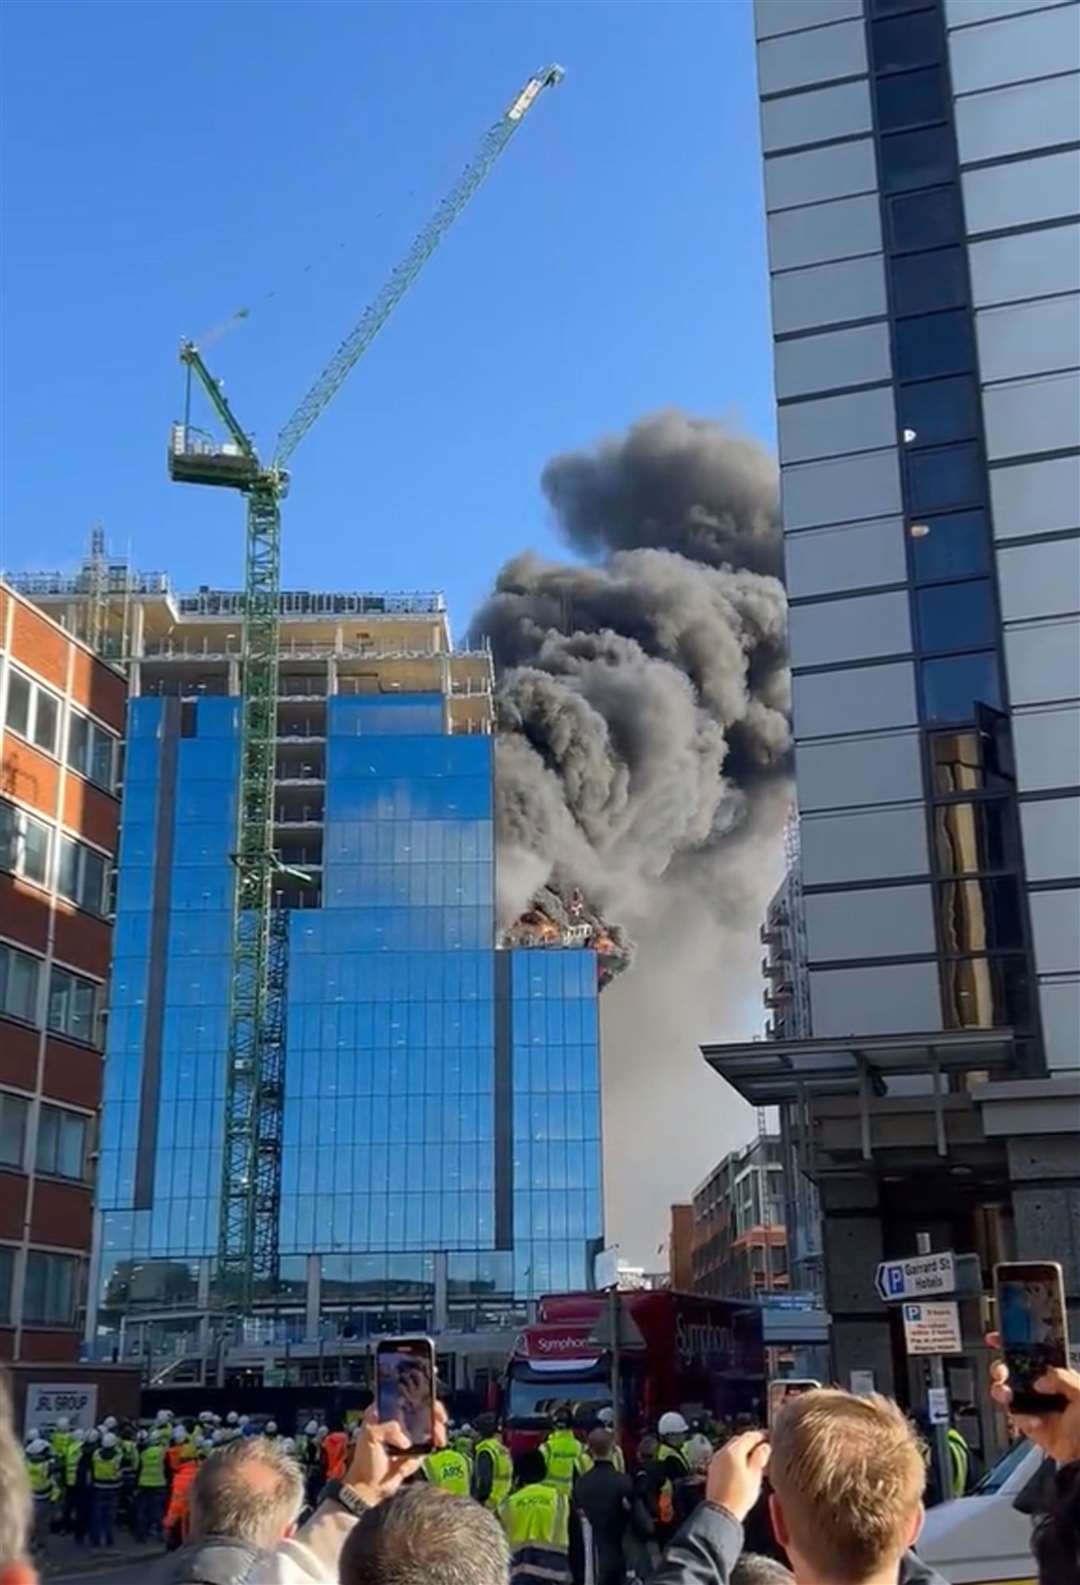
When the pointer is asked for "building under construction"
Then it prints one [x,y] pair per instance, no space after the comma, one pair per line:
[439,1155]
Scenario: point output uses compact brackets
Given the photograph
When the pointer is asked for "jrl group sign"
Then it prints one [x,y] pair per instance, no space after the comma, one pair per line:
[46,1401]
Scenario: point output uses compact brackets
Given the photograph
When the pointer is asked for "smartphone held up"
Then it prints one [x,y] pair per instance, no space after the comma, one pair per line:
[784,1388]
[1030,1304]
[405,1388]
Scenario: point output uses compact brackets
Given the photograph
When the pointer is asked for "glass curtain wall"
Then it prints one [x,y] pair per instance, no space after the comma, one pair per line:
[165,1068]
[389,1114]
[557,1148]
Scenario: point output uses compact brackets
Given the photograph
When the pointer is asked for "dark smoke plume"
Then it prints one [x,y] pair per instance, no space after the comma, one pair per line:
[642,698]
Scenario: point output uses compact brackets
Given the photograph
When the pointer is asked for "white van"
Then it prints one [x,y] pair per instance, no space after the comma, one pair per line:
[981,1539]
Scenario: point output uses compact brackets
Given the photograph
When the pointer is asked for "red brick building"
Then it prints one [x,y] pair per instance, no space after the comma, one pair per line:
[61,716]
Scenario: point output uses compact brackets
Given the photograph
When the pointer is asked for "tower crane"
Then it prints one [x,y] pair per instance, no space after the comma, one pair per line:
[254,1083]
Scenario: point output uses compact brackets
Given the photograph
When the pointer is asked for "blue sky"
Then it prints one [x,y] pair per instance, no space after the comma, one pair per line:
[166,163]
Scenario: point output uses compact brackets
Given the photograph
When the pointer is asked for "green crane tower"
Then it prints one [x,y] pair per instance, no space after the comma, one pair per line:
[255,1063]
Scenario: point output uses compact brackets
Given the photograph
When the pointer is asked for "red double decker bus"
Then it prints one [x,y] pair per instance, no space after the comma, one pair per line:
[703,1357]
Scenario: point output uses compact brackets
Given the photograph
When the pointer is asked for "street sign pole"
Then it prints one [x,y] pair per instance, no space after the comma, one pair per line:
[937,1380]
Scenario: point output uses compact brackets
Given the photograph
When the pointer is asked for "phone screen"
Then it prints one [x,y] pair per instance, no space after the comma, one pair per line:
[405,1387]
[781,1391]
[1031,1321]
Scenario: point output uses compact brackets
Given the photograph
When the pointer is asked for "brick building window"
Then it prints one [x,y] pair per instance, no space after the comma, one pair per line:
[7,1277]
[14,1111]
[80,875]
[91,750]
[73,1006]
[49,1297]
[33,712]
[61,1142]
[18,984]
[24,844]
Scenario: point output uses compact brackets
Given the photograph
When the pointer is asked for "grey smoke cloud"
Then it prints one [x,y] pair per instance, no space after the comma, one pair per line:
[644,756]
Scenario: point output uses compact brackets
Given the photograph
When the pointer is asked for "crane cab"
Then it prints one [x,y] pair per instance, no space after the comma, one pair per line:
[196,458]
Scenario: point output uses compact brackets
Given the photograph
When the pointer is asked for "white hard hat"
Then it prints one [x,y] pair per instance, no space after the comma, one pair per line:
[179,1434]
[311,1428]
[324,1430]
[37,1446]
[93,1435]
[288,1445]
[33,1435]
[606,1416]
[108,1440]
[161,1417]
[206,1417]
[271,1428]
[78,1435]
[62,1422]
[243,1420]
[109,1422]
[672,1424]
[232,1417]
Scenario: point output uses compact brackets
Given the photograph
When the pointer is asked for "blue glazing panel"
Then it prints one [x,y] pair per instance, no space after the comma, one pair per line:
[394,715]
[556,1117]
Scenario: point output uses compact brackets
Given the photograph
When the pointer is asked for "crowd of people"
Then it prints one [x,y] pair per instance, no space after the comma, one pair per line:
[835,1489]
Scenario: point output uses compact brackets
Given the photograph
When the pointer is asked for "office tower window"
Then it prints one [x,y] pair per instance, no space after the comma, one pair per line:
[952,546]
[937,411]
[915,159]
[953,688]
[922,282]
[975,837]
[955,615]
[924,220]
[940,480]
[934,344]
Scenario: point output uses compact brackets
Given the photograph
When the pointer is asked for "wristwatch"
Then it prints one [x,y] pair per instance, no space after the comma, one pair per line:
[335,1491]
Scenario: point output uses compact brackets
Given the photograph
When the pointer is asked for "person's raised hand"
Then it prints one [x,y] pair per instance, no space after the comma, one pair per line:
[734,1476]
[1058,1431]
[382,1458]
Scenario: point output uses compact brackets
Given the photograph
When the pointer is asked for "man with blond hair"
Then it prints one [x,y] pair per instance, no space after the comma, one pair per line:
[847,1477]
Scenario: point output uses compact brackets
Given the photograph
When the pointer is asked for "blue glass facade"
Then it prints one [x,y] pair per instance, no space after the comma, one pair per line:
[556,1118]
[441,1096]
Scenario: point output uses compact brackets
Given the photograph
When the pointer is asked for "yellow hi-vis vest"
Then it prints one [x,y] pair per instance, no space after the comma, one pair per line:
[41,1477]
[152,1467]
[71,1461]
[450,1470]
[107,1468]
[502,1473]
[562,1455]
[537,1516]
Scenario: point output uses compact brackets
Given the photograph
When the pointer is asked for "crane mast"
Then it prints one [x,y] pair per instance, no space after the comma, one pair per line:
[255,1061]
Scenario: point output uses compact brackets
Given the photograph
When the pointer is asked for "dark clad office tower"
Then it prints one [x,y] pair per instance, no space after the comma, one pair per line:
[922,188]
